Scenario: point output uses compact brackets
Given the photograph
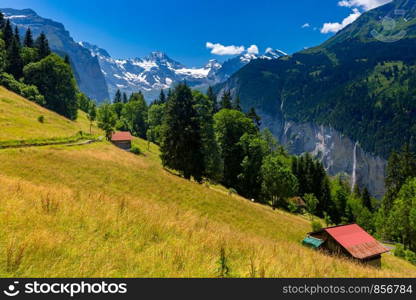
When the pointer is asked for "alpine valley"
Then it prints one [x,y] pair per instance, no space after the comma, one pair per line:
[265,165]
[350,101]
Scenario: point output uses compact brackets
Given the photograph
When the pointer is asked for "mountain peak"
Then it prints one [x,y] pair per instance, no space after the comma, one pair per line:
[15,13]
[213,64]
[95,50]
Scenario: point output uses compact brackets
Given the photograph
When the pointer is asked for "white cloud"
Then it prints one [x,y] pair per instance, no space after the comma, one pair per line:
[335,27]
[356,5]
[253,49]
[364,4]
[219,49]
[306,25]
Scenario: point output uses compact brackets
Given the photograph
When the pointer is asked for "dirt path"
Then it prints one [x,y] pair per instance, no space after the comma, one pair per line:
[68,144]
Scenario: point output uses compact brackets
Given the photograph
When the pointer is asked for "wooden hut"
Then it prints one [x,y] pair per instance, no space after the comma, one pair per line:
[122,139]
[349,240]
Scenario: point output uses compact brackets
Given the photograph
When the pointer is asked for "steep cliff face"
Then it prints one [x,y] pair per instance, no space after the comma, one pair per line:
[339,154]
[87,69]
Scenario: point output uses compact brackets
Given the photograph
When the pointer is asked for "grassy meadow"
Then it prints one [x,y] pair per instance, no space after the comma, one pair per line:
[19,120]
[97,211]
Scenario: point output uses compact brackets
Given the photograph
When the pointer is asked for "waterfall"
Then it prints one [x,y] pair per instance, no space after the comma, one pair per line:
[354,168]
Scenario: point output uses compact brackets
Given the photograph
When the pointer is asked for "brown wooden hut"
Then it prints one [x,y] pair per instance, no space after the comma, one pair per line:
[122,139]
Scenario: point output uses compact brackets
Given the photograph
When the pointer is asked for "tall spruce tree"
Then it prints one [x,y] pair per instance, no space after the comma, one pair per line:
[28,41]
[42,44]
[125,99]
[252,114]
[181,144]
[14,60]
[117,97]
[17,35]
[212,97]
[8,36]
[67,60]
[255,149]
[162,97]
[237,104]
[212,158]
[2,21]
[226,100]
[367,199]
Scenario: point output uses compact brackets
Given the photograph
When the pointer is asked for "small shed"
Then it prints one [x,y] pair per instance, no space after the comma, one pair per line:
[298,201]
[351,241]
[122,139]
[312,242]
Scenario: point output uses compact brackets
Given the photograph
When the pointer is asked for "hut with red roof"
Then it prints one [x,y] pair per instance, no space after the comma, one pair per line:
[122,139]
[351,241]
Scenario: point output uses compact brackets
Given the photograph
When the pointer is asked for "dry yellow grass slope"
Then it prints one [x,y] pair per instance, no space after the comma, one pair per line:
[97,211]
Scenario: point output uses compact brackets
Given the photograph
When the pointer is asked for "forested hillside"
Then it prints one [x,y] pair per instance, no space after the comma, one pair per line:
[360,82]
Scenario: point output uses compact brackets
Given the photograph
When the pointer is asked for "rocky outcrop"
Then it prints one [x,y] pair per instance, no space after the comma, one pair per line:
[339,154]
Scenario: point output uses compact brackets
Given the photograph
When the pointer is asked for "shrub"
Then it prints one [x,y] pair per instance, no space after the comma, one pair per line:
[135,150]
[41,119]
[399,251]
[316,225]
[410,256]
[292,207]
[29,92]
[232,191]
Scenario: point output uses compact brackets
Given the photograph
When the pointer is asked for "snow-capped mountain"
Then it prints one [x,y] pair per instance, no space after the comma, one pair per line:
[158,71]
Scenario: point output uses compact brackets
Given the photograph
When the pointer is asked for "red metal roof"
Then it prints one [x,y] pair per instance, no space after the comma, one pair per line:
[356,241]
[121,136]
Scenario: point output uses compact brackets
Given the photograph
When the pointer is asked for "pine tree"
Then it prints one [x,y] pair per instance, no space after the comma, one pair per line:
[8,36]
[17,35]
[181,144]
[367,200]
[117,97]
[162,97]
[67,60]
[211,96]
[226,100]
[28,41]
[252,114]
[212,159]
[14,61]
[125,99]
[357,192]
[42,45]
[237,104]
[2,21]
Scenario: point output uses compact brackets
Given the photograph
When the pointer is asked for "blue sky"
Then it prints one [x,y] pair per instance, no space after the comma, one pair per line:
[182,28]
